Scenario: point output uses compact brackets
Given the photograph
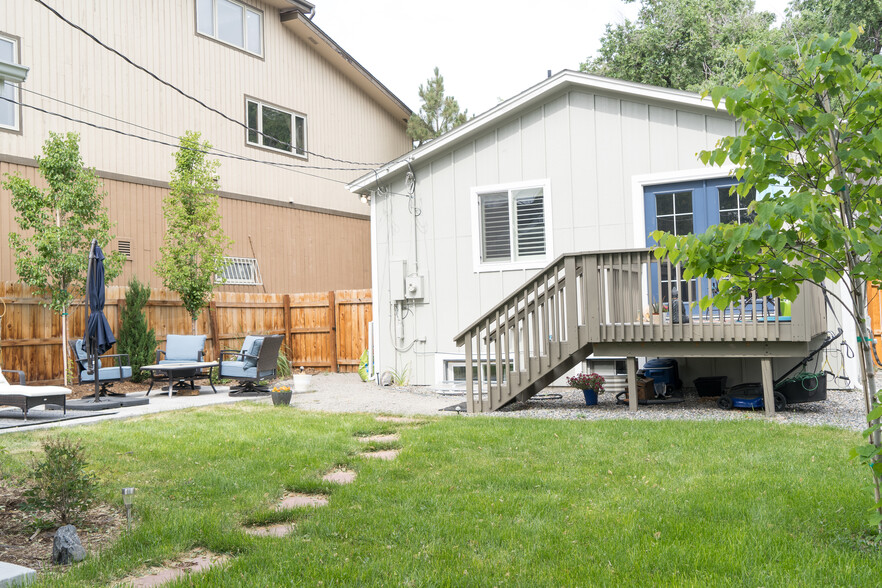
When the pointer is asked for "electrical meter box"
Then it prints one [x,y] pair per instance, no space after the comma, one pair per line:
[413,287]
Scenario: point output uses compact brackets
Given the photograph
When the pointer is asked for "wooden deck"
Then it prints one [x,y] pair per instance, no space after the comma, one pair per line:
[602,302]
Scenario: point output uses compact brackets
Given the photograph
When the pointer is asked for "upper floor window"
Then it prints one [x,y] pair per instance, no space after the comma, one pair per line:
[275,128]
[231,22]
[9,114]
[733,208]
[512,224]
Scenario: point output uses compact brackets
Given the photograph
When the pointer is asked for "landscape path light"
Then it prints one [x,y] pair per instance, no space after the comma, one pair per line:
[128,495]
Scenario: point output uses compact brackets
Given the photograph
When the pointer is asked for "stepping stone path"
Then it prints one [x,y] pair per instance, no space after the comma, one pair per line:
[192,563]
[297,500]
[340,477]
[387,454]
[279,530]
[380,438]
[393,419]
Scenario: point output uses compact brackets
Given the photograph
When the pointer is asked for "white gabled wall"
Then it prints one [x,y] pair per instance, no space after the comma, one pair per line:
[588,146]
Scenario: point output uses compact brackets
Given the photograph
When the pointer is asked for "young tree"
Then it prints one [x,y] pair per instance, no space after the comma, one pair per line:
[809,116]
[135,338]
[683,44]
[437,115]
[58,224]
[193,253]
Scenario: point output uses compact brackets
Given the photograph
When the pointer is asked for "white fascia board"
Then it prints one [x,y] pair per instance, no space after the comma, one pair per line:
[12,72]
[564,78]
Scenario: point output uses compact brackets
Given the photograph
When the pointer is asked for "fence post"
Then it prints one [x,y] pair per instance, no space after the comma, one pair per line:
[212,319]
[286,309]
[332,332]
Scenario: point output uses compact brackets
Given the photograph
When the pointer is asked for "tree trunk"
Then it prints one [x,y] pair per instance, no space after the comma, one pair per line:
[194,325]
[64,343]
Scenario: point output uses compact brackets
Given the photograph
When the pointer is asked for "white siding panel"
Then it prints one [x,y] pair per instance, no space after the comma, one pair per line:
[583,165]
[486,161]
[691,138]
[533,145]
[662,138]
[508,145]
[465,178]
[608,138]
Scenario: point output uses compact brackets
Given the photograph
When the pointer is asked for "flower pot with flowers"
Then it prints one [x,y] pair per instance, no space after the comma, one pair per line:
[590,384]
[281,395]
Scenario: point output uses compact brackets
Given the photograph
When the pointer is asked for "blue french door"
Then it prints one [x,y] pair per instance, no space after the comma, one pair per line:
[682,208]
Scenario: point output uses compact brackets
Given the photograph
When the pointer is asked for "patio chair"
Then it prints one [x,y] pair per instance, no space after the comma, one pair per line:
[106,375]
[27,397]
[180,349]
[256,361]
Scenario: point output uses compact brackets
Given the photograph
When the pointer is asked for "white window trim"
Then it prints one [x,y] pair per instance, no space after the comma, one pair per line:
[16,88]
[214,36]
[294,115]
[244,261]
[481,266]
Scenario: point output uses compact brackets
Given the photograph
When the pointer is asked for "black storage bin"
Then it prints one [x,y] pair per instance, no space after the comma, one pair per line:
[710,385]
[806,388]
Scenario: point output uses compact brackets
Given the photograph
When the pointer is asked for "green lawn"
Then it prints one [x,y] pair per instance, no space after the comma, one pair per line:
[484,501]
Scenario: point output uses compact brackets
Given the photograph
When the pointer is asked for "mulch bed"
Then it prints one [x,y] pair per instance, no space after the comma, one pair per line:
[21,544]
[81,390]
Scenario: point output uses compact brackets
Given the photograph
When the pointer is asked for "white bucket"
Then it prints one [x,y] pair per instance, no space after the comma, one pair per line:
[302,382]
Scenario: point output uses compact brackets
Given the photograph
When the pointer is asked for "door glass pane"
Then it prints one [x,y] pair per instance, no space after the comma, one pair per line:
[276,129]
[664,204]
[666,224]
[495,227]
[252,122]
[683,202]
[728,216]
[253,25]
[230,21]
[683,224]
[530,222]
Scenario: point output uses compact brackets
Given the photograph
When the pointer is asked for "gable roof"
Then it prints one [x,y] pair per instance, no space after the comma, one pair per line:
[527,98]
[300,23]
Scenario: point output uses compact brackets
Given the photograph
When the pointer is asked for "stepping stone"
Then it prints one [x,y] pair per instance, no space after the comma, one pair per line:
[388,454]
[340,477]
[380,438]
[297,500]
[392,419]
[279,530]
[14,575]
[188,565]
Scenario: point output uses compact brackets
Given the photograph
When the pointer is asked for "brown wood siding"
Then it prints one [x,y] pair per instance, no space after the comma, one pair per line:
[297,251]
[30,334]
[874,306]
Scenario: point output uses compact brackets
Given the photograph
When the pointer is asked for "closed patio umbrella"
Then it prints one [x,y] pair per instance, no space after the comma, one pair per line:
[99,338]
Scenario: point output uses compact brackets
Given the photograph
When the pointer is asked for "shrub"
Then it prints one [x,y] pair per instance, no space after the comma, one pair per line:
[60,484]
[134,336]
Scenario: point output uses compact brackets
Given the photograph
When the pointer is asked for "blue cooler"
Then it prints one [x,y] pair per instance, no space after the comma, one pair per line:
[662,371]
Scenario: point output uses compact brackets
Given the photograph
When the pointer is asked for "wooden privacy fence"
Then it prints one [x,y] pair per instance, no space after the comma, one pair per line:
[323,330]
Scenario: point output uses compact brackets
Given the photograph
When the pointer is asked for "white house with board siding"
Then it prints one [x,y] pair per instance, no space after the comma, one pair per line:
[577,163]
[304,119]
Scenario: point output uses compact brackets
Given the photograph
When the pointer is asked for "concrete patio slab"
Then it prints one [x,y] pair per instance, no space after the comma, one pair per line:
[14,575]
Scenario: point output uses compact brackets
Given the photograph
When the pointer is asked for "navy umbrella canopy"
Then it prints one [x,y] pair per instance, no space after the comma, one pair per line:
[99,338]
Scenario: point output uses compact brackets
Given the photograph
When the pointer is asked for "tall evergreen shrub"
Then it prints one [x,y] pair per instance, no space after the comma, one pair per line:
[134,336]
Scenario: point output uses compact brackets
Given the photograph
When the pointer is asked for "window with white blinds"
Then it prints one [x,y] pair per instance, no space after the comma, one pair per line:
[512,223]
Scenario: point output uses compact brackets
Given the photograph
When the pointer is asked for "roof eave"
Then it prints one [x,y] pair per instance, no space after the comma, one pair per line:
[564,78]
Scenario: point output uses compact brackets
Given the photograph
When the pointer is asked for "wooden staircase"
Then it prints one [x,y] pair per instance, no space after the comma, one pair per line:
[583,301]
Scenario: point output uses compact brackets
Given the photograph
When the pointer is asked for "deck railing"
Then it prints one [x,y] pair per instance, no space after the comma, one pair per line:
[580,300]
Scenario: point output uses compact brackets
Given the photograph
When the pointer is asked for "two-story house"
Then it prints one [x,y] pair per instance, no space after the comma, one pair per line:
[291,116]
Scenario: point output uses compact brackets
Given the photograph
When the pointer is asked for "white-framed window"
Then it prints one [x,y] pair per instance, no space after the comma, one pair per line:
[512,225]
[9,111]
[231,22]
[275,128]
[241,271]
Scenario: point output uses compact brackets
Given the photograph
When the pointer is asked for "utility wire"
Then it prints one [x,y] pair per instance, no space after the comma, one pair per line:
[184,94]
[213,151]
[157,141]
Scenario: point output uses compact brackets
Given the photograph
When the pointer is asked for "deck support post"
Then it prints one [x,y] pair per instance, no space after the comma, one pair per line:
[768,386]
[631,365]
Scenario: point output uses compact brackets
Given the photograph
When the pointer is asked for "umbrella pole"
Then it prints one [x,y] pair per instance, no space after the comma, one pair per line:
[95,367]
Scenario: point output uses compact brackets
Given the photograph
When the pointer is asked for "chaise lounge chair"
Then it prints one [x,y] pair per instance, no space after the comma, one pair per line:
[255,362]
[27,397]
[106,375]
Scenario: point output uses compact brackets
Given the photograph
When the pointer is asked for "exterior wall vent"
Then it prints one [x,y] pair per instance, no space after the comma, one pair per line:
[125,247]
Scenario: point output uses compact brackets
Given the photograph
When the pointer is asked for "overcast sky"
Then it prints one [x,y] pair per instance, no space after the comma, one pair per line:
[487,50]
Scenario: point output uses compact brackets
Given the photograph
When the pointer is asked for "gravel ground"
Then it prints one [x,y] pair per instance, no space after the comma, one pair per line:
[347,393]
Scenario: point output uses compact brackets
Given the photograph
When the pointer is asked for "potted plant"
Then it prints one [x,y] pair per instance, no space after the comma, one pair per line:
[281,395]
[590,384]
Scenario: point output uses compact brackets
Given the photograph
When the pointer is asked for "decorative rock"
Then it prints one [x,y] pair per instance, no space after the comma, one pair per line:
[66,547]
[15,575]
